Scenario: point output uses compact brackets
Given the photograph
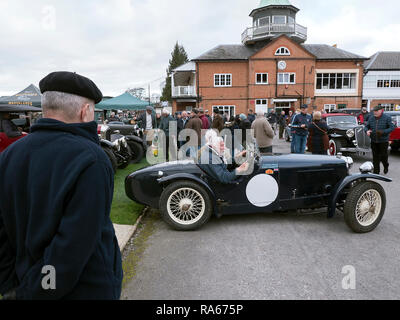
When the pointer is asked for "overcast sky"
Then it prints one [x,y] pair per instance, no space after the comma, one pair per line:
[127,43]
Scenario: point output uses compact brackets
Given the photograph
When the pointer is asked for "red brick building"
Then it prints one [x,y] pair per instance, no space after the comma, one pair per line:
[272,69]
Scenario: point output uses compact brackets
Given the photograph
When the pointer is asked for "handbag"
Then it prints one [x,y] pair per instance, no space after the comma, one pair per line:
[325,137]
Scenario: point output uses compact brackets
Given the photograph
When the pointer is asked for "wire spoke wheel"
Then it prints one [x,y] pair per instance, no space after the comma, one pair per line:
[368,207]
[365,206]
[186,206]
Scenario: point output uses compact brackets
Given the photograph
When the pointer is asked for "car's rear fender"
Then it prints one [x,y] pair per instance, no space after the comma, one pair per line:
[190,177]
[337,191]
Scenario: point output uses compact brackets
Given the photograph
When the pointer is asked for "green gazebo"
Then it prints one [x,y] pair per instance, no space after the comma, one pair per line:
[123,102]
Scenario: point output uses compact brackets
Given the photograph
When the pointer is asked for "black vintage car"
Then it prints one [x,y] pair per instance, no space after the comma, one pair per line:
[346,135]
[187,196]
[134,136]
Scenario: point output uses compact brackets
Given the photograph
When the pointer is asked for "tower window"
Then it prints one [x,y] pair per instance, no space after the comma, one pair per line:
[282,51]
[279,19]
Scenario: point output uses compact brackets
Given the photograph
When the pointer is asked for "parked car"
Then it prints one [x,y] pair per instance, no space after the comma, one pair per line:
[346,135]
[135,137]
[6,141]
[187,196]
[352,112]
[115,146]
[395,135]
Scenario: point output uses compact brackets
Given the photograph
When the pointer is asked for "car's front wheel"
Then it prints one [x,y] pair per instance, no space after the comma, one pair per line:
[334,147]
[365,206]
[185,206]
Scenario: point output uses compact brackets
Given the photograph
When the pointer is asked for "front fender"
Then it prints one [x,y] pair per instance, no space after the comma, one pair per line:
[345,182]
[106,143]
[136,139]
[191,177]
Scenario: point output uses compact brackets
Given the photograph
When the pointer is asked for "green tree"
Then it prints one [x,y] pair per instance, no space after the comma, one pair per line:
[178,58]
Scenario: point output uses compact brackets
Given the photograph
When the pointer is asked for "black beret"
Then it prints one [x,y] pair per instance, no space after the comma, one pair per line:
[304,106]
[377,108]
[70,82]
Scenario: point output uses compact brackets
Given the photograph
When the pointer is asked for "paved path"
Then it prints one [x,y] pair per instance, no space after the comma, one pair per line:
[271,256]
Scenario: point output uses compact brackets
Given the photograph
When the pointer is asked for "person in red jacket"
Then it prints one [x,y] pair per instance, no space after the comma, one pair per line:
[205,124]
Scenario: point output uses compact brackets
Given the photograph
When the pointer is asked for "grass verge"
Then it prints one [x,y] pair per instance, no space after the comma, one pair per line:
[123,210]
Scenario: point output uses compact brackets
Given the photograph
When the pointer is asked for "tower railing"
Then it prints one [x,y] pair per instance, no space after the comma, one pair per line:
[272,29]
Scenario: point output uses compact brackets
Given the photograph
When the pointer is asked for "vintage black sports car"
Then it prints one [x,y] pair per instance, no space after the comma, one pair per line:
[133,135]
[346,135]
[187,196]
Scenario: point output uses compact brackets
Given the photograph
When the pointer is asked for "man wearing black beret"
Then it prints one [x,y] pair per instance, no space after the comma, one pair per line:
[379,127]
[56,237]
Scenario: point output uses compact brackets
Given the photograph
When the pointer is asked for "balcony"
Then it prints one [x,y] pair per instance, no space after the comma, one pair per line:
[184,92]
[293,30]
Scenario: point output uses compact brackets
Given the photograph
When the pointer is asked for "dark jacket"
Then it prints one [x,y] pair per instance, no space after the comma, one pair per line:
[195,124]
[214,165]
[142,121]
[316,143]
[164,124]
[251,117]
[56,189]
[272,118]
[218,123]
[298,121]
[381,128]
[244,126]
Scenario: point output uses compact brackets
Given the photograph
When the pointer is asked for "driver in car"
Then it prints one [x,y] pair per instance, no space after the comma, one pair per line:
[212,160]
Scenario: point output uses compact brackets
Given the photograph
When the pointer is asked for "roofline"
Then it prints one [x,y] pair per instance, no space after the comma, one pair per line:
[276,39]
[276,6]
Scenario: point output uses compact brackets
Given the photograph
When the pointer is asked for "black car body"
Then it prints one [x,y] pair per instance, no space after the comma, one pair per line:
[133,134]
[346,135]
[278,183]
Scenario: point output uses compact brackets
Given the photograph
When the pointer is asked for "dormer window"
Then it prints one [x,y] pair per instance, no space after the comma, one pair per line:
[282,51]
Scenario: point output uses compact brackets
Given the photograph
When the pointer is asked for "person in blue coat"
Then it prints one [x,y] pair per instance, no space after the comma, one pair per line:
[57,241]
[300,130]
[379,127]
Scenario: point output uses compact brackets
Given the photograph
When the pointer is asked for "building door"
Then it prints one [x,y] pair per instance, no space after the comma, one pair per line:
[282,106]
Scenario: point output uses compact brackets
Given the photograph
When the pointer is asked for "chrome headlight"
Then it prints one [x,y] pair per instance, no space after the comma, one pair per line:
[367,167]
[123,142]
[349,160]
[117,145]
[350,133]
[103,131]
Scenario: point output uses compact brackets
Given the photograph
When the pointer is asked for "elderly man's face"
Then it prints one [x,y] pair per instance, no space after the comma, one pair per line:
[378,114]
[184,114]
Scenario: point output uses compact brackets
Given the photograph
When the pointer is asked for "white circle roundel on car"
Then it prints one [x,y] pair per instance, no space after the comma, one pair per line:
[262,190]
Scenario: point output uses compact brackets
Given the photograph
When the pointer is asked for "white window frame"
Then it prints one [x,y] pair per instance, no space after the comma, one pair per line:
[261,104]
[273,19]
[277,53]
[266,18]
[227,108]
[330,107]
[262,73]
[344,91]
[289,75]
[220,82]
[294,20]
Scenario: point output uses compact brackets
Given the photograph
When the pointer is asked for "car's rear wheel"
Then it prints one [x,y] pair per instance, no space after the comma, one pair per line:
[365,206]
[137,151]
[185,206]
[334,147]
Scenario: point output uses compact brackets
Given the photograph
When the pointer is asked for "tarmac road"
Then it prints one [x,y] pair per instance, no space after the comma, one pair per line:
[272,256]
